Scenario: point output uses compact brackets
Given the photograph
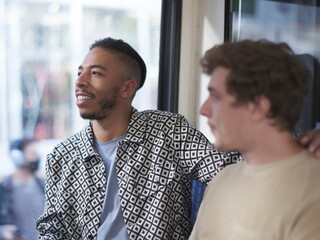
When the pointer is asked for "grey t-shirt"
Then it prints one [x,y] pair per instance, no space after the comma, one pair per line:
[112,224]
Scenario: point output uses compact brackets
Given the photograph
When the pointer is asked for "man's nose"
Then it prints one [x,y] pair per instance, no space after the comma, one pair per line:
[205,109]
[82,80]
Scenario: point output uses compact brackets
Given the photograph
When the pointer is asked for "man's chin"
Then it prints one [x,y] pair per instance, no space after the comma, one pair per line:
[92,116]
[87,116]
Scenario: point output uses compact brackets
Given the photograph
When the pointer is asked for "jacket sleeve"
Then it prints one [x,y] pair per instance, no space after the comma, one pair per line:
[50,223]
[197,155]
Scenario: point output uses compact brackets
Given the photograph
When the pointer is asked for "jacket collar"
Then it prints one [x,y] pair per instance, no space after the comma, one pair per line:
[86,142]
[135,133]
[137,127]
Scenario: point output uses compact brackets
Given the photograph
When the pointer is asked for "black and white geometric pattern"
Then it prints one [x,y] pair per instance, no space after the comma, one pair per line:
[155,164]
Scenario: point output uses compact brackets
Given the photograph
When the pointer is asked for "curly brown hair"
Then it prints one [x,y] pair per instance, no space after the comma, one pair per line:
[262,68]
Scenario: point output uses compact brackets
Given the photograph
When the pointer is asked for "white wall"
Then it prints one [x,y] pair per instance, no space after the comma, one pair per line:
[202,28]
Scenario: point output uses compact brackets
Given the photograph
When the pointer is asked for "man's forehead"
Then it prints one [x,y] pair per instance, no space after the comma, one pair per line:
[99,53]
[218,77]
[98,56]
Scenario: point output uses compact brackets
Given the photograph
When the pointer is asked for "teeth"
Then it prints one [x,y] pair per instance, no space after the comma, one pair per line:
[82,97]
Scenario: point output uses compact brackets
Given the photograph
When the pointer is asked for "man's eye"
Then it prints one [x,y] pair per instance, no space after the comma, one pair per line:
[213,96]
[79,73]
[95,73]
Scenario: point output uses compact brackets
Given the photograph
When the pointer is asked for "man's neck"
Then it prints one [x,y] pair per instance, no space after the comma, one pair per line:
[272,148]
[113,126]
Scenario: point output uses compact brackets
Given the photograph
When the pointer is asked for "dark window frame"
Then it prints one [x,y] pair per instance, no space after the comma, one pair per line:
[169,66]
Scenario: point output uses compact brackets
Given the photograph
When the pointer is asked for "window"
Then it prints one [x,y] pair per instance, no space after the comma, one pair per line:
[41,46]
[295,22]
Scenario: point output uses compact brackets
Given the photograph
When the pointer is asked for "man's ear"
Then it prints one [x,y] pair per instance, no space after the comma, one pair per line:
[260,107]
[129,88]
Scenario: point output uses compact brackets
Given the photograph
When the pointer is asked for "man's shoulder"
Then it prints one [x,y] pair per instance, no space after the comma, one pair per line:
[157,118]
[230,171]
[75,141]
[158,115]
[66,142]
[314,166]
[305,164]
[233,168]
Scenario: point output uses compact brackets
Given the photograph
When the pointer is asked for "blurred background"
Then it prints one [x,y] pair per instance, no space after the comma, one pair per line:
[42,43]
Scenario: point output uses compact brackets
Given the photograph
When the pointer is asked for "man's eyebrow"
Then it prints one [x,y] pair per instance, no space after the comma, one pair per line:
[93,66]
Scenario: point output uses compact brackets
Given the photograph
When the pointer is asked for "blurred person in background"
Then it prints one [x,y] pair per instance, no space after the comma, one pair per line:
[22,198]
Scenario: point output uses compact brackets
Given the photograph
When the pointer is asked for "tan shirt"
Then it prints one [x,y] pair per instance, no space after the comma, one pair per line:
[276,201]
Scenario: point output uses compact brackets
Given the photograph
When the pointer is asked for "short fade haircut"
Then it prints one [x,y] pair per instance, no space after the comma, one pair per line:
[262,68]
[127,54]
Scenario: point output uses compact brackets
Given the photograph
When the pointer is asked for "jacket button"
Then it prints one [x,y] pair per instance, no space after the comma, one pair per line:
[90,237]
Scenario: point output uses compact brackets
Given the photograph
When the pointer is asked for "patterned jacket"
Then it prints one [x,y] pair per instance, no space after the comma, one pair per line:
[155,164]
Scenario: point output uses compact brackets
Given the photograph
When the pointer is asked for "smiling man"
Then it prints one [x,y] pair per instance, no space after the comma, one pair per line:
[256,93]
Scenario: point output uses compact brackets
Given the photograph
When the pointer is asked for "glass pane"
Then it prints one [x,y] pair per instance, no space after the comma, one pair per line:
[42,44]
[294,22]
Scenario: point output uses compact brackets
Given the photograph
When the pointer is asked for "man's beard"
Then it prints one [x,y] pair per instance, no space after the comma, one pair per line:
[106,104]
